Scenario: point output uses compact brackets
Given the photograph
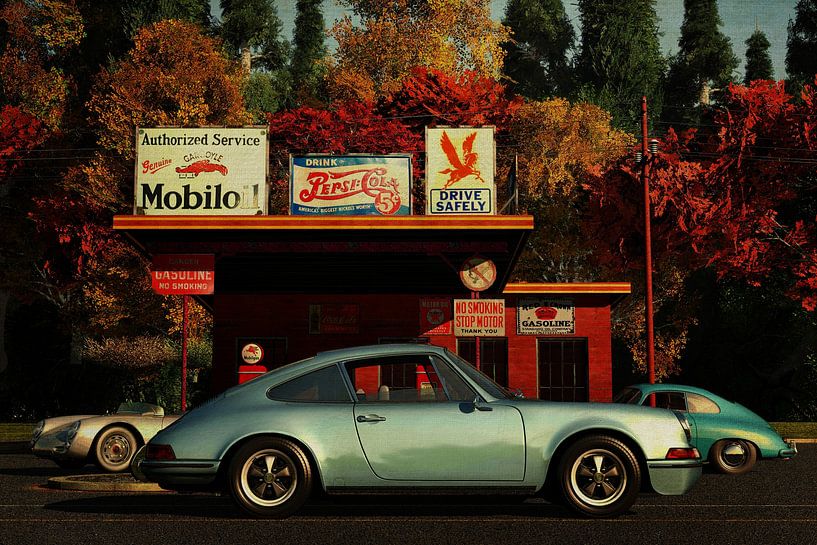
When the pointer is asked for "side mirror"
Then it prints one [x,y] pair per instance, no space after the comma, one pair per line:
[481,405]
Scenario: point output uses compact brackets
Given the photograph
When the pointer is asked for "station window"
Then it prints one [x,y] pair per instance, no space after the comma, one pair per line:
[493,356]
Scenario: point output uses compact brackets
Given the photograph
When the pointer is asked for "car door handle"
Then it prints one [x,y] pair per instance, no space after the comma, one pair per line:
[370,418]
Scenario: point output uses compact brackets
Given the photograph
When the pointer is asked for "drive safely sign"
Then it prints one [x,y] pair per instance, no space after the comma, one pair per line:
[460,165]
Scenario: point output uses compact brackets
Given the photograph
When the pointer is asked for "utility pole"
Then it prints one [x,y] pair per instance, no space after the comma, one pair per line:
[648,244]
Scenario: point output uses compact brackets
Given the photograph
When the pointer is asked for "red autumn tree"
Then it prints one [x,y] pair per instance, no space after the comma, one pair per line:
[731,199]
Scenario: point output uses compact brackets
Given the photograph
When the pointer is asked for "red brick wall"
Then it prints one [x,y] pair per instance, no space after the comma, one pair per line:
[391,315]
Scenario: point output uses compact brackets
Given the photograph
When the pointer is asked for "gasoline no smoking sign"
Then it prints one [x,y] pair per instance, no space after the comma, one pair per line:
[478,273]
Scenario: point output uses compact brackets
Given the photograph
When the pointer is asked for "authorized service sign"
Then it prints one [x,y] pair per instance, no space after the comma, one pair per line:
[546,316]
[460,165]
[479,317]
[350,185]
[216,171]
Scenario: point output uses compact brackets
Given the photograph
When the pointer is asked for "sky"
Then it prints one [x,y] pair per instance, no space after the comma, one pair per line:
[739,19]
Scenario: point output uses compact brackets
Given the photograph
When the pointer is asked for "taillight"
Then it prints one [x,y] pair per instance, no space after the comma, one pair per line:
[683,454]
[159,452]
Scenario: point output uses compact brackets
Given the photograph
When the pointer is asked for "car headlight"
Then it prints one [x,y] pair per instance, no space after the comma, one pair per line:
[72,430]
[684,424]
[38,430]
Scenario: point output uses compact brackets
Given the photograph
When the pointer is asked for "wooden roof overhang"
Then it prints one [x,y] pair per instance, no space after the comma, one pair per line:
[616,291]
[331,254]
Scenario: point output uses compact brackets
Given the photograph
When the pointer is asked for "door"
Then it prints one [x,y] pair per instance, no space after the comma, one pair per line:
[417,421]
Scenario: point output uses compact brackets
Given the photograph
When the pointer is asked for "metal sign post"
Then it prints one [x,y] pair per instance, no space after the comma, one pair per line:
[184,352]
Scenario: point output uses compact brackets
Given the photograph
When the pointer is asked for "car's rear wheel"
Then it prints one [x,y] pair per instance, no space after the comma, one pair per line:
[270,477]
[733,456]
[599,476]
[115,448]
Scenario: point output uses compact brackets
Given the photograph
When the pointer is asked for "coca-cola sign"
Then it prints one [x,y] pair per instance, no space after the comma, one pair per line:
[350,185]
[214,171]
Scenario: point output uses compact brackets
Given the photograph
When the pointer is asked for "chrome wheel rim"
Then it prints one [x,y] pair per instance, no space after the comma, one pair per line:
[116,449]
[734,454]
[269,478]
[598,477]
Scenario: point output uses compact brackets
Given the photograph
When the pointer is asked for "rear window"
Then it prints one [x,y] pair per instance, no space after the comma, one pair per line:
[700,404]
[324,385]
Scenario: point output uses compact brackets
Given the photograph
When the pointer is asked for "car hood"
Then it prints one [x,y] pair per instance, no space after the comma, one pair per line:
[57,422]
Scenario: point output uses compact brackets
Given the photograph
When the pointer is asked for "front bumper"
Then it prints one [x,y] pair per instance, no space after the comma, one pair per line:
[58,447]
[674,477]
[174,474]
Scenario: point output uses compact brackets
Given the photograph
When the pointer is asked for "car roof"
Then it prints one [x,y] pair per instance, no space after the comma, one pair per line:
[378,350]
[646,388]
[327,357]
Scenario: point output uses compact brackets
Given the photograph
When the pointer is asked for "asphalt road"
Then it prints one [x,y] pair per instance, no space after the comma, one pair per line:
[775,503]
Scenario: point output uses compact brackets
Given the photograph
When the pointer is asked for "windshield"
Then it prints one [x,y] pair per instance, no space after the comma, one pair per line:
[628,395]
[492,388]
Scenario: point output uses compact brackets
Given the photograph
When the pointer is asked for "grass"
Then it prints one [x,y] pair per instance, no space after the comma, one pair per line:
[15,432]
[796,430]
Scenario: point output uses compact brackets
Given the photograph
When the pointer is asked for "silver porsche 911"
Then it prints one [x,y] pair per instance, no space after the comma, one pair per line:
[109,441]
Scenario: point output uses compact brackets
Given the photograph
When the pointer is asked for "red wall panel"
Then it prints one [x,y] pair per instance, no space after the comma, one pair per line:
[393,315]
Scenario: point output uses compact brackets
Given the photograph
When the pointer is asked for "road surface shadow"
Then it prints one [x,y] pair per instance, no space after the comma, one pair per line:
[214,506]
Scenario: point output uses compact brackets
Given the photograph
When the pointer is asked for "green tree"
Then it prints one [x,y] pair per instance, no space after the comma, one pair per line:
[620,59]
[536,58]
[801,45]
[704,61]
[252,29]
[306,68]
[139,13]
[758,62]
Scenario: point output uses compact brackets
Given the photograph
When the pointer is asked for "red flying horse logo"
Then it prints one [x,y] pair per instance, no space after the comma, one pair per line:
[460,168]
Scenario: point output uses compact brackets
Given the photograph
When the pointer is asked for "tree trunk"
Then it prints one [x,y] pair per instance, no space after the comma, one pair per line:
[4,301]
[705,90]
[246,59]
[75,357]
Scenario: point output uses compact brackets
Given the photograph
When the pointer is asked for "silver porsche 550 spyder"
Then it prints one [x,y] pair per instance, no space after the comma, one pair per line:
[109,441]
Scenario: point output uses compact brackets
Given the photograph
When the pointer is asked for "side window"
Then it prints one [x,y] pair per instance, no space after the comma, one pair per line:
[457,388]
[324,385]
[399,379]
[668,400]
[700,404]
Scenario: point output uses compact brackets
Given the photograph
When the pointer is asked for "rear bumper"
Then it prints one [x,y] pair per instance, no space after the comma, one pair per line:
[674,477]
[789,452]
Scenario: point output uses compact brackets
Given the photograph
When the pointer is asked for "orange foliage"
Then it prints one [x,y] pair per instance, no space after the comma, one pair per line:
[174,75]
[453,36]
[38,35]
[559,142]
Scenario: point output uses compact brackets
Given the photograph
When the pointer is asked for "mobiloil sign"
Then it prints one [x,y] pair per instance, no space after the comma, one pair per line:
[213,170]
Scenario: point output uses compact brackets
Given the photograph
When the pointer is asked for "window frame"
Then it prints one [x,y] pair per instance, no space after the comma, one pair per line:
[431,357]
[349,399]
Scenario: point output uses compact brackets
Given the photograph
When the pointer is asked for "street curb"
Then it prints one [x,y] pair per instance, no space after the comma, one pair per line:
[14,447]
[102,482]
[803,441]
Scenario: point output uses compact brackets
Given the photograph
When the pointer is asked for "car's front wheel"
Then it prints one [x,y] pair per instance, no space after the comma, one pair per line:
[733,456]
[270,477]
[599,476]
[115,448]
